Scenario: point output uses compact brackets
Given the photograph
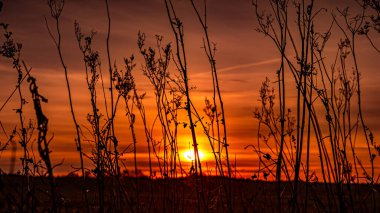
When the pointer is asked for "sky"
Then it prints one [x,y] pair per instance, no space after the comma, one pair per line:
[243,59]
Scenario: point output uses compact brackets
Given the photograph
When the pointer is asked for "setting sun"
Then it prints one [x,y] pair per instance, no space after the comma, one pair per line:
[189,155]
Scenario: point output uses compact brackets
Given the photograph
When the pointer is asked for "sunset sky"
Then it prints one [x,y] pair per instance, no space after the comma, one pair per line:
[244,58]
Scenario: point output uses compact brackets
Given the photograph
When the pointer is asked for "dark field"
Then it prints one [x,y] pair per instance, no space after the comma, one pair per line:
[173,195]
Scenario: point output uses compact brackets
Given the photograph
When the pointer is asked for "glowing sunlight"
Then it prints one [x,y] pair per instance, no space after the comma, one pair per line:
[189,155]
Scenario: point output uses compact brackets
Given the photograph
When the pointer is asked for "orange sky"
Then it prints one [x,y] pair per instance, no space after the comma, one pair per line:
[244,58]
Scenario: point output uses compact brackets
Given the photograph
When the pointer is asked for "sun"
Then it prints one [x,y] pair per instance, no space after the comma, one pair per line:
[189,155]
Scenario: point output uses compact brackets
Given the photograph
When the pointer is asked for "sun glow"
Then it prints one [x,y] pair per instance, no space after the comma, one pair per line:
[189,155]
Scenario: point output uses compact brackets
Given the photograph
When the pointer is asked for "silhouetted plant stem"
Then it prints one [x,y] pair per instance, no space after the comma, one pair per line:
[92,66]
[113,106]
[311,80]
[364,126]
[282,23]
[305,33]
[24,141]
[131,119]
[168,98]
[56,7]
[353,27]
[141,108]
[315,86]
[180,53]
[124,84]
[42,141]
[210,52]
[111,91]
[12,50]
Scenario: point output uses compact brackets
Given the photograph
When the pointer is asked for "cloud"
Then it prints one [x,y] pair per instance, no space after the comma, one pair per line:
[254,64]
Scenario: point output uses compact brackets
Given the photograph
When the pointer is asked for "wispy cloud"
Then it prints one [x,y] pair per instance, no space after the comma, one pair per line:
[242,66]
[254,64]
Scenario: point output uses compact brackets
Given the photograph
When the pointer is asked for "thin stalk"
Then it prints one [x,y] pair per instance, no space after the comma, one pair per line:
[113,107]
[210,52]
[177,29]
[56,12]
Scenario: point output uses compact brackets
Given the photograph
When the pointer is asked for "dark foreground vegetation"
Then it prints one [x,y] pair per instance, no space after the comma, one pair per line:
[310,114]
[247,196]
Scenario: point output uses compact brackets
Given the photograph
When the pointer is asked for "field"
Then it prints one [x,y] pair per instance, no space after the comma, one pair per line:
[247,195]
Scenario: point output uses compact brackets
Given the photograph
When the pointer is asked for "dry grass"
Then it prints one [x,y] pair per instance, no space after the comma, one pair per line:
[285,135]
